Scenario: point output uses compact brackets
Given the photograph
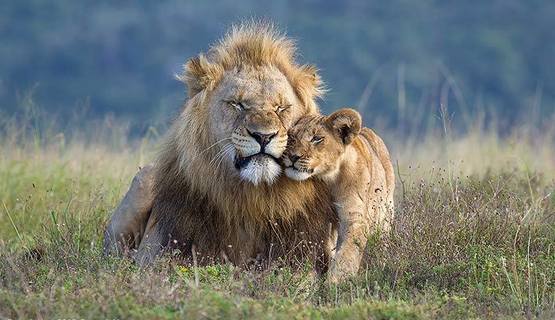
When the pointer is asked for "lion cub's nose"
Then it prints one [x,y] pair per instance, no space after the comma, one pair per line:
[262,138]
[294,158]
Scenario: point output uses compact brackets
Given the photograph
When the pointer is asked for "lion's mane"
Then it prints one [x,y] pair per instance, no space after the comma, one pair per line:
[212,208]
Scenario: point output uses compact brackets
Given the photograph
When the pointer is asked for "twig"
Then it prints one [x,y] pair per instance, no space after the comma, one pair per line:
[12,222]
[401,180]
[195,264]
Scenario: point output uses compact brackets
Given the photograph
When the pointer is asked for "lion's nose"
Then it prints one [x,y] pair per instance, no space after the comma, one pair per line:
[294,158]
[263,138]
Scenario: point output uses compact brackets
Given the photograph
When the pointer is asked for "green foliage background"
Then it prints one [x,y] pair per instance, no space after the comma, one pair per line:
[493,57]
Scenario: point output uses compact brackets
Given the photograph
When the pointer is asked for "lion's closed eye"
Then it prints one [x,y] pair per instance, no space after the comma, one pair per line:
[283,107]
[238,105]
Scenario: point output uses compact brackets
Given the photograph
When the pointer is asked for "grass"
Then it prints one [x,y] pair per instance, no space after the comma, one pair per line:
[474,237]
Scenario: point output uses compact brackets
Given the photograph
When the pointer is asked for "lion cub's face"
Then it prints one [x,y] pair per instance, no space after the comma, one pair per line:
[317,143]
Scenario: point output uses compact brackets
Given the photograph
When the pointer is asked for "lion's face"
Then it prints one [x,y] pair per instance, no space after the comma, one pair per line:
[250,112]
[244,95]
[317,143]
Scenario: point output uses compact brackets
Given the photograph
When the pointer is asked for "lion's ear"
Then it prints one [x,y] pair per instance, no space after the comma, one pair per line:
[199,74]
[345,124]
[308,84]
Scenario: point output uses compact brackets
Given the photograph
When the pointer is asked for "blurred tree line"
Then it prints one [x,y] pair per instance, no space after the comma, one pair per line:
[397,61]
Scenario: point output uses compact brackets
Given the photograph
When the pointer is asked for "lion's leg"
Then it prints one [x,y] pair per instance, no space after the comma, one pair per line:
[128,222]
[151,245]
[351,243]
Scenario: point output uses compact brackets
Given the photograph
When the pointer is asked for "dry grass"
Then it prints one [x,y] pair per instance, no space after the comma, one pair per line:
[474,237]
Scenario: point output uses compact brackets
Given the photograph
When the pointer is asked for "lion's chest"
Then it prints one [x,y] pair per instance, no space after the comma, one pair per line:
[241,226]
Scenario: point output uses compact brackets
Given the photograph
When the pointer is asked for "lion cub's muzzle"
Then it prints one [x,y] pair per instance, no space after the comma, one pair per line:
[297,167]
[298,163]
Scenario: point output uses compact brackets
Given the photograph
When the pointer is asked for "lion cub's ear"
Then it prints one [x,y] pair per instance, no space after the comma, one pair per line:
[200,74]
[345,124]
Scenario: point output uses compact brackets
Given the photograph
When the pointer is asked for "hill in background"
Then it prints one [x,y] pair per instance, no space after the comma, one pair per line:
[395,60]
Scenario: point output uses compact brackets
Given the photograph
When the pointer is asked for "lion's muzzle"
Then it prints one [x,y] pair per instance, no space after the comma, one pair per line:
[263,139]
[259,143]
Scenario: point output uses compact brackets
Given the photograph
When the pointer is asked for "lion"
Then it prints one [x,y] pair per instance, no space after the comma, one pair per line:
[355,164]
[217,188]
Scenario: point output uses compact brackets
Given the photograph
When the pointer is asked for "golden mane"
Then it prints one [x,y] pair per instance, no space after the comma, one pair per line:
[253,44]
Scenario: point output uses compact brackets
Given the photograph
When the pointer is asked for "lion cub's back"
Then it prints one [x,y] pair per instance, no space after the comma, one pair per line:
[379,148]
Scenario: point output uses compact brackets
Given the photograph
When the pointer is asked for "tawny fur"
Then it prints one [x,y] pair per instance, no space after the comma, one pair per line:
[355,164]
[200,199]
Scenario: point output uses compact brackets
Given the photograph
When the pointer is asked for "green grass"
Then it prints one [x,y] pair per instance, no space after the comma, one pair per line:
[472,239]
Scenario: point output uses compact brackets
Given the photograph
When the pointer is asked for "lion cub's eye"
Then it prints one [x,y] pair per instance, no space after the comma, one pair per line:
[236,104]
[317,140]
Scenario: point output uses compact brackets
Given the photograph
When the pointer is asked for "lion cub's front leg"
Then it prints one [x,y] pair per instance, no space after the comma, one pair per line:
[351,242]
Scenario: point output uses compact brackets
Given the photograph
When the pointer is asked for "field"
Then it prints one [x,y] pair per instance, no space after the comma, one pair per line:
[474,236]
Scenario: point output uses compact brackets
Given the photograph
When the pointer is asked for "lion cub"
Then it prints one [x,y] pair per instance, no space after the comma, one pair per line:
[355,164]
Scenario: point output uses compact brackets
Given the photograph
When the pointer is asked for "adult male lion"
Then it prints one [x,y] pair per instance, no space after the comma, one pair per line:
[216,185]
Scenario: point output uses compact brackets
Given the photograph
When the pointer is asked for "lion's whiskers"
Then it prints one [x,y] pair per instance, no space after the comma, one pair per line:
[217,155]
[218,158]
[210,147]
[227,148]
